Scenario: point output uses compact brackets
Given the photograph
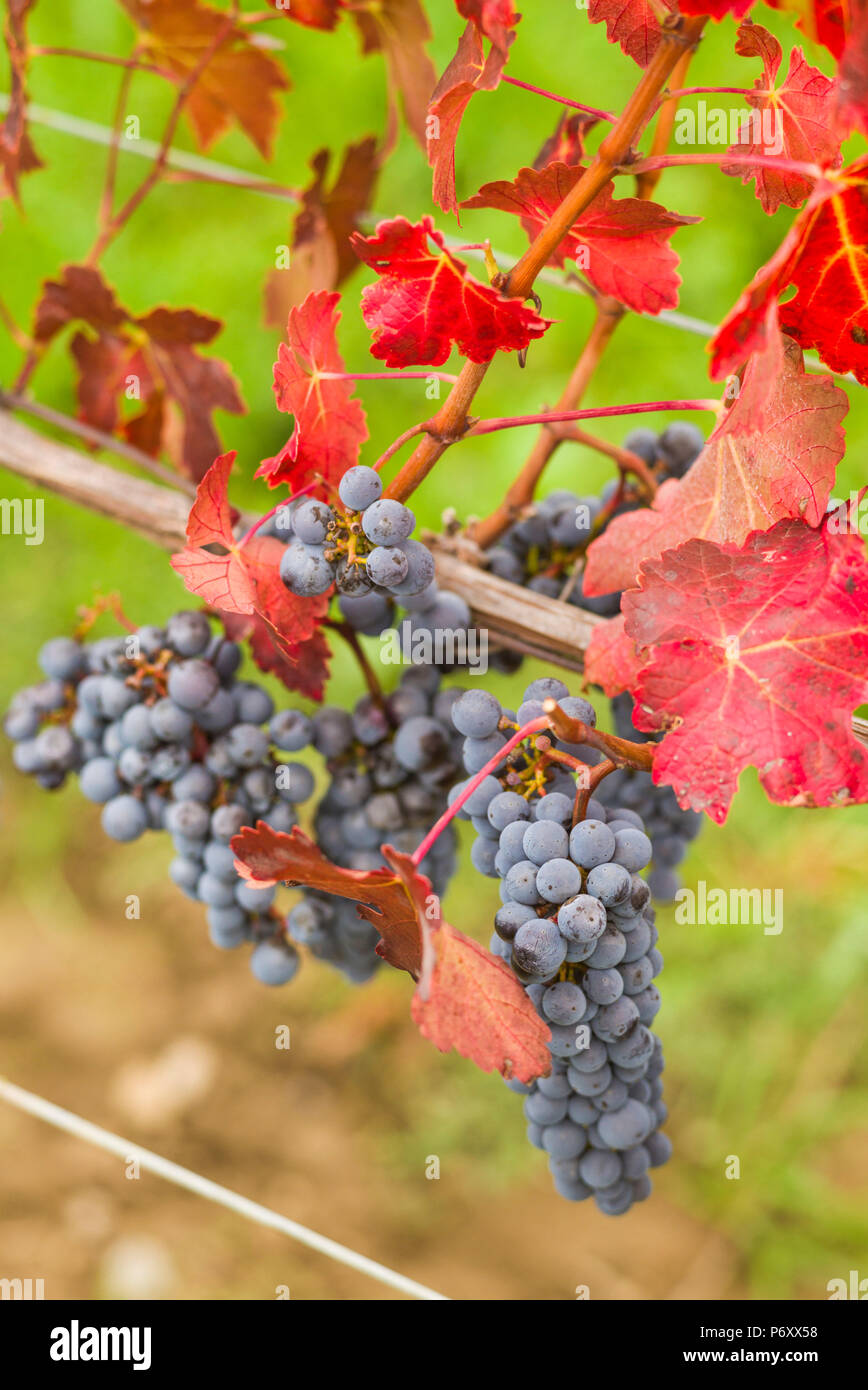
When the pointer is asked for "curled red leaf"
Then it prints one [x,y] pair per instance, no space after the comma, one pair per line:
[329,422]
[426,302]
[622,244]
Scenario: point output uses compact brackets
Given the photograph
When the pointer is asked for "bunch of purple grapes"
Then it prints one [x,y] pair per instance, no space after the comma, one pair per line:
[390,764]
[365,547]
[577,927]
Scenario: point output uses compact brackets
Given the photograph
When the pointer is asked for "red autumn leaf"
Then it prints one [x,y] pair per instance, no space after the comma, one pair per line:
[494,19]
[622,244]
[467,999]
[284,631]
[634,24]
[823,21]
[223,581]
[717,9]
[469,72]
[851,87]
[567,145]
[611,660]
[267,856]
[426,302]
[80,294]
[302,668]
[239,81]
[825,255]
[773,455]
[294,619]
[17,155]
[476,1005]
[798,116]
[321,256]
[758,656]
[329,422]
[399,30]
[316,14]
[158,352]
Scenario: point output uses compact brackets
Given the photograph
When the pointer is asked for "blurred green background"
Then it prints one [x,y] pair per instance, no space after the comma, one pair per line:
[143,1027]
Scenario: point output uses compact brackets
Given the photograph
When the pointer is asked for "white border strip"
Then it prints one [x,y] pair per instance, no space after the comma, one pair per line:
[211,1191]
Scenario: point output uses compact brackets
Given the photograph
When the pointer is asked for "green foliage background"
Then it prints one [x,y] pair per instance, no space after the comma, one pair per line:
[764,1034]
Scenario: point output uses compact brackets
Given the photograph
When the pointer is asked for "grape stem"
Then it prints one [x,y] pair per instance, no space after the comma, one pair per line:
[562,101]
[344,630]
[625,459]
[521,491]
[302,492]
[554,417]
[451,419]
[398,443]
[534,727]
[622,751]
[583,794]
[665,124]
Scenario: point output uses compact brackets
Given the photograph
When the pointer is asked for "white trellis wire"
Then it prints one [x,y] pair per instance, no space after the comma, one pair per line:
[211,1191]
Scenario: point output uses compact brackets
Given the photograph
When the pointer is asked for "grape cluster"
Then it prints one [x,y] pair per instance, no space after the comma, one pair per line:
[544,550]
[577,928]
[669,828]
[671,453]
[363,547]
[390,765]
[163,736]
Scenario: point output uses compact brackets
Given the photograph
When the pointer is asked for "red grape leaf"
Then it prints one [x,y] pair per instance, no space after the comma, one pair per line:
[611,659]
[194,385]
[223,581]
[153,358]
[17,155]
[302,667]
[321,256]
[286,637]
[268,856]
[758,656]
[477,1006]
[851,87]
[825,255]
[294,619]
[717,9]
[399,29]
[240,80]
[316,14]
[469,72]
[82,294]
[798,116]
[634,24]
[567,144]
[823,21]
[424,302]
[494,19]
[466,998]
[773,455]
[329,422]
[620,243]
